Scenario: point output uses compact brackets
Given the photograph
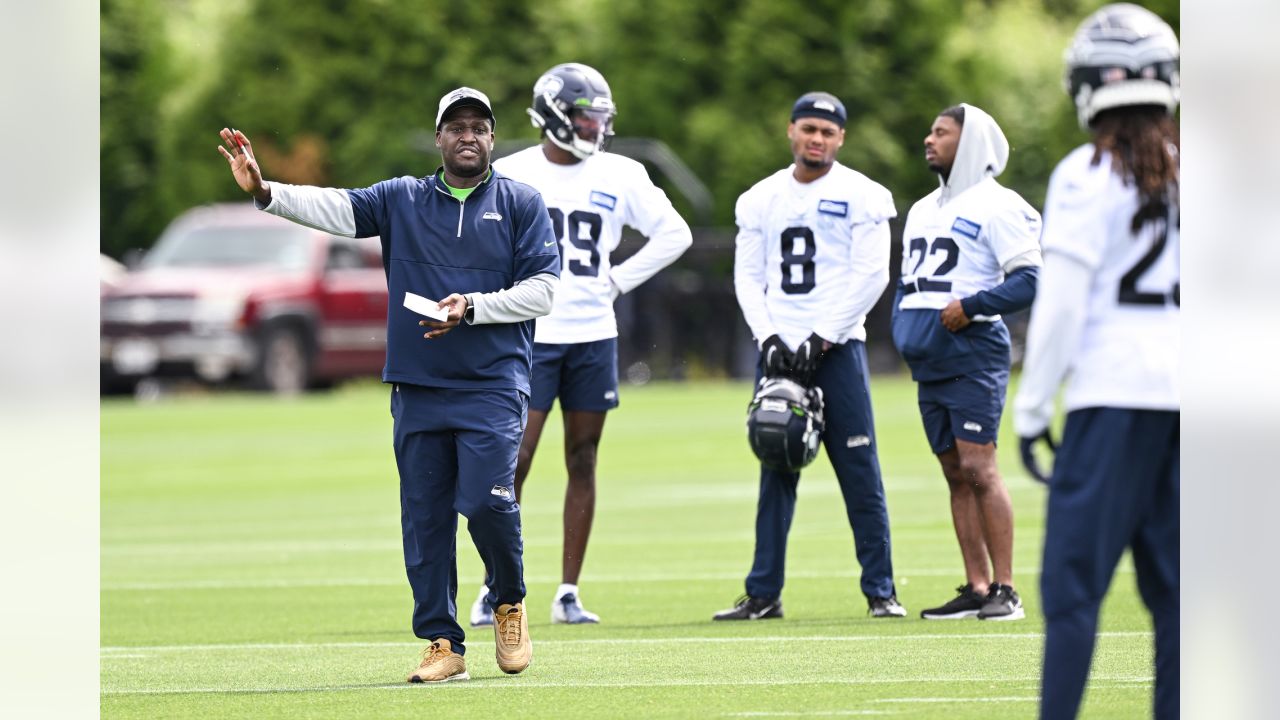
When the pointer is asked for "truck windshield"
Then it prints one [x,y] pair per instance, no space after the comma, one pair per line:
[283,248]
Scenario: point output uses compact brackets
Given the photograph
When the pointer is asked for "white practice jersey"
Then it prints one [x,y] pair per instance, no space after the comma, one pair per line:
[959,249]
[589,202]
[1127,354]
[812,257]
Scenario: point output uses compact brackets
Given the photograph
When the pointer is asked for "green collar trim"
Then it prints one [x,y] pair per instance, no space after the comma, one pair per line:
[462,193]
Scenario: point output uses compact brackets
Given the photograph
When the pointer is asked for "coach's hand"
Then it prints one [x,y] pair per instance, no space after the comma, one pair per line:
[808,357]
[777,357]
[1026,447]
[457,306]
[239,154]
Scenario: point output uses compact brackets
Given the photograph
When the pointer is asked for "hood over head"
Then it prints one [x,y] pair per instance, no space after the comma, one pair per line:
[983,152]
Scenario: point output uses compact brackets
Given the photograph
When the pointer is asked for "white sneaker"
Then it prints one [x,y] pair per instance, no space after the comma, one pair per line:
[567,609]
[481,611]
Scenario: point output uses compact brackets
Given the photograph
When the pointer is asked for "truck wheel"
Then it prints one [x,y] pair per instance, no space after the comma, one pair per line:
[283,364]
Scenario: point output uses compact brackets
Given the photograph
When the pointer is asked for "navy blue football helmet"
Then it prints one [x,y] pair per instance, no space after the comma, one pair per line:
[1122,55]
[573,107]
[784,423]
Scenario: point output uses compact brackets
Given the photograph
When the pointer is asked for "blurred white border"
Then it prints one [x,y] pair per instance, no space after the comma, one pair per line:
[48,374]
[1231,352]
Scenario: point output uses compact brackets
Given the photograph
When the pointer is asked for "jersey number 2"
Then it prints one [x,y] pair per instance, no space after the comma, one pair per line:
[1130,294]
[590,242]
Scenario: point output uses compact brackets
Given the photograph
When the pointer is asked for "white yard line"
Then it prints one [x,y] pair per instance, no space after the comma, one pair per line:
[903,578]
[515,683]
[108,651]
[809,713]
[959,700]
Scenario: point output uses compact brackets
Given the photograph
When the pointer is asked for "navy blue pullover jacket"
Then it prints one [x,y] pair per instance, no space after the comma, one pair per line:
[433,245]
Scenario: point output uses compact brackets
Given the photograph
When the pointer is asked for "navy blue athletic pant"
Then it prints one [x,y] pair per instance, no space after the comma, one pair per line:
[456,453]
[1114,486]
[850,442]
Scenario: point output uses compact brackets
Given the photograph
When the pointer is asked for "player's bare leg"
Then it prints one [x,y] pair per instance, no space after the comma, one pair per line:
[582,432]
[528,445]
[995,509]
[581,438]
[968,523]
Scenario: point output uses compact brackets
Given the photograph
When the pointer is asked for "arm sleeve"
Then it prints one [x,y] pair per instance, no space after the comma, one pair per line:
[1057,321]
[868,276]
[1014,236]
[528,299]
[749,278]
[669,236]
[326,209]
[1016,293]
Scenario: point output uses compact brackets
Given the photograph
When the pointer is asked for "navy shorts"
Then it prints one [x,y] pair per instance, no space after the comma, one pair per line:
[583,375]
[967,407]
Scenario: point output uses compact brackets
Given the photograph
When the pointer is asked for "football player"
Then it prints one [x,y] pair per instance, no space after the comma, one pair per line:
[811,258]
[1107,314]
[590,194]
[971,252]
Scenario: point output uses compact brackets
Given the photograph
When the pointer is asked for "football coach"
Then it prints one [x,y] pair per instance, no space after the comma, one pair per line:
[483,245]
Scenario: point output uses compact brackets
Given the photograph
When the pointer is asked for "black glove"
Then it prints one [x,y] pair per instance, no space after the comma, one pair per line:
[776,357]
[1027,446]
[808,357]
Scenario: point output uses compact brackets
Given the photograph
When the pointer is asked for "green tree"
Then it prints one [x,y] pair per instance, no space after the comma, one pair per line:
[135,75]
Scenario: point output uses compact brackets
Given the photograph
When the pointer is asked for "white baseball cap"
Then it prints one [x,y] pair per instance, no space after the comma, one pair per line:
[464,96]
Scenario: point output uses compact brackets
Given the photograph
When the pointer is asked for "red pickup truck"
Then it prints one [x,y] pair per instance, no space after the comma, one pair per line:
[230,293]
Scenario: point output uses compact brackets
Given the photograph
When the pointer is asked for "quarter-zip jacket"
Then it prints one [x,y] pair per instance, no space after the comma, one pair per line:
[502,236]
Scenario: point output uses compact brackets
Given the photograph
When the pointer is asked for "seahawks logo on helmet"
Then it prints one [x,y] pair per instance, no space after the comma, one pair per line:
[785,423]
[573,107]
[548,85]
[1122,55]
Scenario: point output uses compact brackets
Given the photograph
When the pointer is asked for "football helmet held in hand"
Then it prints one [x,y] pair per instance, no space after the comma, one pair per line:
[785,423]
[573,107]
[1122,55]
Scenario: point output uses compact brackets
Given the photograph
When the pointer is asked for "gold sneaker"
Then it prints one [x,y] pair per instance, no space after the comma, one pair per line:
[440,664]
[511,631]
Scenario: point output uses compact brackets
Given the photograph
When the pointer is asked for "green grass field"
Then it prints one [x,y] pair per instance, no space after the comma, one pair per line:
[251,568]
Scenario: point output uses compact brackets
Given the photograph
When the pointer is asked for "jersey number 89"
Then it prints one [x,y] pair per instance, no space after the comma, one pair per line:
[577,220]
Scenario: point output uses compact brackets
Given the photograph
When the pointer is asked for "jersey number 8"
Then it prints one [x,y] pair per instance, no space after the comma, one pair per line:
[803,257]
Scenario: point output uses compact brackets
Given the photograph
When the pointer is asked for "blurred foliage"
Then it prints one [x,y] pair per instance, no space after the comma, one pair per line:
[344,92]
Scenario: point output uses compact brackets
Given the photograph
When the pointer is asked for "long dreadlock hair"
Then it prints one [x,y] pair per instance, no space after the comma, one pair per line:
[1143,142]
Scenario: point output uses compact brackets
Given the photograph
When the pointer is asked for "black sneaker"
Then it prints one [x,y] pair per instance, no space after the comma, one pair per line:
[752,608]
[1002,603]
[965,604]
[885,607]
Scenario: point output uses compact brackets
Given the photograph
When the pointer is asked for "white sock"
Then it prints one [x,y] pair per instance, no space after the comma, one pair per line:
[566,588]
